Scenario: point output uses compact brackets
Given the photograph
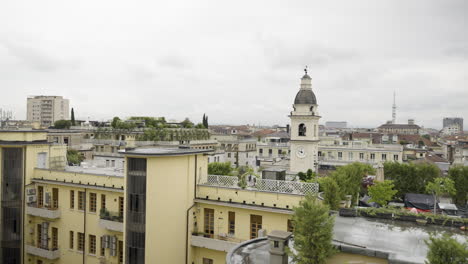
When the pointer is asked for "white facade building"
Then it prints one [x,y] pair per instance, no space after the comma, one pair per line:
[47,109]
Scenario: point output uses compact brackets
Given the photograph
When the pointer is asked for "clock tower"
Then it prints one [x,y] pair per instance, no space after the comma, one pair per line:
[304,128]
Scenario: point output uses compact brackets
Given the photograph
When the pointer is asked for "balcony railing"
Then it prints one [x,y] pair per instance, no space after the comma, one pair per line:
[111,220]
[46,212]
[290,187]
[214,243]
[42,252]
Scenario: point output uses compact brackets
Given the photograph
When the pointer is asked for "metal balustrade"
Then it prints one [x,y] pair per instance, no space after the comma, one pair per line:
[255,184]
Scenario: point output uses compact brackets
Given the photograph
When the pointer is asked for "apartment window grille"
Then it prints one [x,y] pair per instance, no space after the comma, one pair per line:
[232,223]
[81,201]
[92,244]
[72,239]
[81,239]
[103,202]
[121,253]
[72,199]
[55,198]
[209,222]
[255,225]
[39,235]
[121,206]
[40,196]
[290,225]
[54,238]
[92,202]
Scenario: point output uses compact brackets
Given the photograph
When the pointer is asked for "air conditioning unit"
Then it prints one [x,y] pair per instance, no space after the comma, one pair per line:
[31,191]
[262,233]
[31,198]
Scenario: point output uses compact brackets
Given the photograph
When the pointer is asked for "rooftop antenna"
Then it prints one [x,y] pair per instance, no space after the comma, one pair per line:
[5,115]
[394,109]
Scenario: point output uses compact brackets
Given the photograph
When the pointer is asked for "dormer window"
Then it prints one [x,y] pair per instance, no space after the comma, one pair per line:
[302,130]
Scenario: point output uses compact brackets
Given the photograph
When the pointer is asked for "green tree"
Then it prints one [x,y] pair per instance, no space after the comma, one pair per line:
[446,250]
[74,157]
[219,168]
[349,178]
[187,123]
[62,124]
[307,176]
[410,178]
[382,192]
[115,122]
[459,176]
[331,193]
[205,121]
[313,232]
[73,123]
[438,187]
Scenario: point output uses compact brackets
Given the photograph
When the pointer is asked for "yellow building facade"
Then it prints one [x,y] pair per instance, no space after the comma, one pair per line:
[162,208]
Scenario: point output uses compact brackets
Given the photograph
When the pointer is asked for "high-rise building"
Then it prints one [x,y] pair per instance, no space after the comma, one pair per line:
[47,109]
[304,128]
[451,121]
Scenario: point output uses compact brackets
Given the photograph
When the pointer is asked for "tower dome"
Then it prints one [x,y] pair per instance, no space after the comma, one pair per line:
[305,94]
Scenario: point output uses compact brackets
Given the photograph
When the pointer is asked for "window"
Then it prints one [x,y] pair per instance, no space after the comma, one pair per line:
[276,244]
[113,163]
[232,223]
[270,151]
[121,206]
[39,236]
[39,261]
[260,151]
[279,151]
[361,156]
[72,199]
[107,163]
[255,225]
[302,130]
[92,202]
[92,244]
[80,242]
[81,201]
[40,196]
[121,259]
[207,261]
[54,238]
[350,155]
[71,239]
[372,156]
[103,202]
[209,222]
[384,156]
[340,155]
[229,155]
[395,157]
[55,198]
[103,246]
[290,225]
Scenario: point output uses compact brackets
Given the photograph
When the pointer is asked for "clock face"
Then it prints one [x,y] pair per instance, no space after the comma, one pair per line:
[301,153]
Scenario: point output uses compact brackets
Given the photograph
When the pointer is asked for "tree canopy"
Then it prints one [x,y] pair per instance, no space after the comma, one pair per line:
[62,124]
[445,250]
[313,232]
[331,192]
[74,157]
[220,168]
[382,192]
[459,176]
[410,177]
[349,178]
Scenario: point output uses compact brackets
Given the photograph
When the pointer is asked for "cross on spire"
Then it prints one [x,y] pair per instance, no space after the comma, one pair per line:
[305,69]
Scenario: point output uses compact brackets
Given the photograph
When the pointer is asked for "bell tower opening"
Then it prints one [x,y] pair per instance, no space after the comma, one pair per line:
[302,130]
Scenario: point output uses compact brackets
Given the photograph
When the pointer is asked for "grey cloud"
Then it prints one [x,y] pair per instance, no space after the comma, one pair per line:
[36,59]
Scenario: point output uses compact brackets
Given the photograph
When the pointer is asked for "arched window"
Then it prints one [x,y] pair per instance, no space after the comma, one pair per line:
[302,130]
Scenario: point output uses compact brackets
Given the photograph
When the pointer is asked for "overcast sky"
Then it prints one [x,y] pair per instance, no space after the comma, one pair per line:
[238,61]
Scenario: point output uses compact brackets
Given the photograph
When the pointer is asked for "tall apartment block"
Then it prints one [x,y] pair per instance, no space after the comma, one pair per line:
[47,109]
[451,121]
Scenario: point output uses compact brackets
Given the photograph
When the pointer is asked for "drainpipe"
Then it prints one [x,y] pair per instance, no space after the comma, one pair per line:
[84,226]
[23,213]
[188,212]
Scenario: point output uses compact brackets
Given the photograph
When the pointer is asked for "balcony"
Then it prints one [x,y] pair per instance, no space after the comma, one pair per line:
[43,253]
[45,212]
[219,243]
[111,221]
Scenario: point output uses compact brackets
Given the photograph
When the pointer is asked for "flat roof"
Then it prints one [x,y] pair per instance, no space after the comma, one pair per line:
[164,151]
[108,171]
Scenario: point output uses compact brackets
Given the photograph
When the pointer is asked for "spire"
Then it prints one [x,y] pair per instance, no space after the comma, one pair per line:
[394,109]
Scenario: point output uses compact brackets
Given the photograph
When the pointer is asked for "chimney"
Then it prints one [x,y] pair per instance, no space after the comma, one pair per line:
[278,243]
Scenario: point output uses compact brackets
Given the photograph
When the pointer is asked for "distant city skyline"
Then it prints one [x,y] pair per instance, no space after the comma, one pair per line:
[238,65]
